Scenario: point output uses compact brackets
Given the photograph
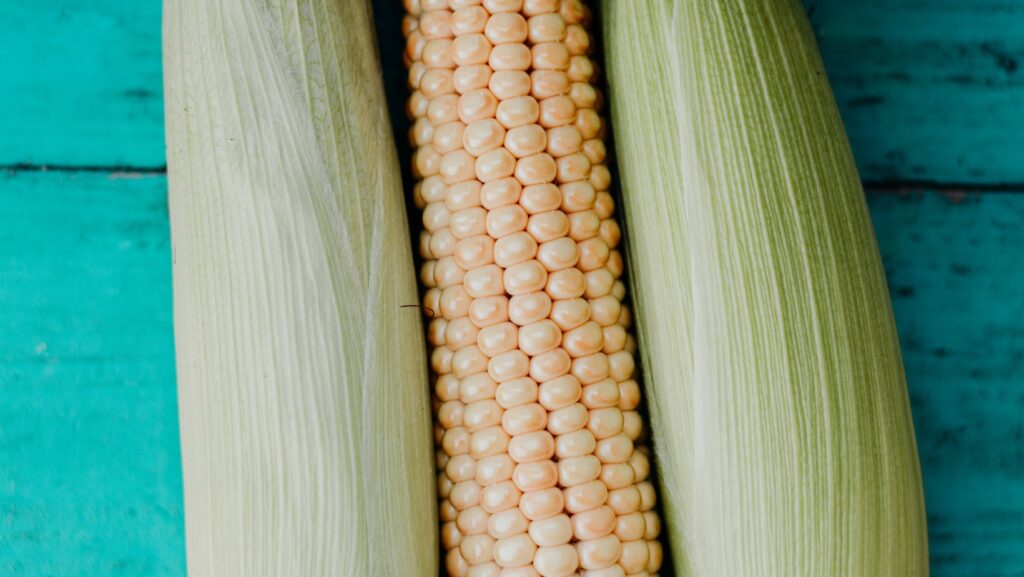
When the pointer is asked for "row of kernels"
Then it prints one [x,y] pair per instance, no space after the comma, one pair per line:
[464,143]
[464,235]
[570,86]
[625,497]
[501,25]
[456,81]
[579,199]
[477,50]
[520,264]
[572,12]
[545,242]
[540,514]
[464,415]
[555,529]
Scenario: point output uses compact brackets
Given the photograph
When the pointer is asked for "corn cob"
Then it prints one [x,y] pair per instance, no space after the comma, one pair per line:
[304,419]
[542,466]
[772,363]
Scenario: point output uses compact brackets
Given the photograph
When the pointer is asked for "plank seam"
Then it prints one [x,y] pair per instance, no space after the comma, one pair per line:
[948,188]
[896,186]
[122,168]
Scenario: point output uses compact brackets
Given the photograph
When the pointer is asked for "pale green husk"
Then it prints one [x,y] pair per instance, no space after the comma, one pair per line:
[305,416]
[773,372]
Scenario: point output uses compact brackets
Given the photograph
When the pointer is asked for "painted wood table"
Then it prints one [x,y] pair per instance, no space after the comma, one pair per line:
[932,92]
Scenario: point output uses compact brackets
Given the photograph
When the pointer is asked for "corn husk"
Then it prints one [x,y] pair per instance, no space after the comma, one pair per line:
[779,406]
[305,416]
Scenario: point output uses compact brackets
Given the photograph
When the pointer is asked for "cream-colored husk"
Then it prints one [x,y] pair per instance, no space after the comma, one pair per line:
[305,416]
[778,401]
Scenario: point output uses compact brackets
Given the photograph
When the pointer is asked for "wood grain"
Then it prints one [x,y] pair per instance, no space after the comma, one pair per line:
[955,276]
[90,474]
[929,90]
[83,84]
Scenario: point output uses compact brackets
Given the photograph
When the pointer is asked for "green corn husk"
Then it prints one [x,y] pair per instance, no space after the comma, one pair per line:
[778,400]
[305,416]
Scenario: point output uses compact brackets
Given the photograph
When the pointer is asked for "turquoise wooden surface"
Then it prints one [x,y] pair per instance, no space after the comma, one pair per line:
[83,85]
[930,90]
[89,473]
[957,281]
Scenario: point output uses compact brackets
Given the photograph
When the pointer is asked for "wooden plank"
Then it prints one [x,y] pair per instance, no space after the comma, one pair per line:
[929,89]
[82,83]
[955,272]
[90,478]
